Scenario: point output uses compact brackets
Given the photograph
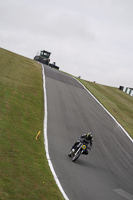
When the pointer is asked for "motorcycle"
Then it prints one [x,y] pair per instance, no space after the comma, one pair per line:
[77,151]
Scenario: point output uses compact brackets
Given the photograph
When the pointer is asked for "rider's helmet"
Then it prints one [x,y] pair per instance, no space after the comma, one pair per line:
[89,135]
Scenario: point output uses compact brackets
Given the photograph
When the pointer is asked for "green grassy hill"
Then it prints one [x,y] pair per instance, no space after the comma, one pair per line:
[25,174]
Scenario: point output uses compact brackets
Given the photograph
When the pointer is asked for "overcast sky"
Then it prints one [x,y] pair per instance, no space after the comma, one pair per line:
[89,38]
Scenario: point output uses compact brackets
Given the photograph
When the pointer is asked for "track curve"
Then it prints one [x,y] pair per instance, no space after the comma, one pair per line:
[107,172]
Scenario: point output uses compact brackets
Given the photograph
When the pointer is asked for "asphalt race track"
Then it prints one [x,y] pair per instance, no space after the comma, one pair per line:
[107,172]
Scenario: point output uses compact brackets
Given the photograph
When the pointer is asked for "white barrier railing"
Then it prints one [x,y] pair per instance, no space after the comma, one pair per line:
[128,91]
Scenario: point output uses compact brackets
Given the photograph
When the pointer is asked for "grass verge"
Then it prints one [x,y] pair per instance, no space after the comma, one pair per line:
[118,103]
[25,173]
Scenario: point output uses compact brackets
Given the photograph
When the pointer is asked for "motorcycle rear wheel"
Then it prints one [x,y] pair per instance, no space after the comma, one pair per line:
[70,154]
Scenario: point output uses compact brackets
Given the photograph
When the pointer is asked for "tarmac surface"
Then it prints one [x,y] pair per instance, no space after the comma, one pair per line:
[107,172]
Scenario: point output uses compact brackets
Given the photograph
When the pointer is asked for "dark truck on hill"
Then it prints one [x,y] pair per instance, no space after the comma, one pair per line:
[44,58]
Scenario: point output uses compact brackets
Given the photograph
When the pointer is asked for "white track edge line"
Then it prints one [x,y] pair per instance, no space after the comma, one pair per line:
[46,138]
[106,110]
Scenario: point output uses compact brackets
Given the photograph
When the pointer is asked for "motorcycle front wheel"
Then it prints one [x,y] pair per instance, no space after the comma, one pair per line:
[75,157]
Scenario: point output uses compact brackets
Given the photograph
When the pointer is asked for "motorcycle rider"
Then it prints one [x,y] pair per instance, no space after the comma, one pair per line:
[88,140]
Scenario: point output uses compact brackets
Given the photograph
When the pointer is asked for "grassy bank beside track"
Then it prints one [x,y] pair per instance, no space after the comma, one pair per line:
[24,170]
[118,103]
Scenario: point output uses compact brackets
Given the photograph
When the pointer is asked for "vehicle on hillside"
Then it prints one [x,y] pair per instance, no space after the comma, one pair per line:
[44,57]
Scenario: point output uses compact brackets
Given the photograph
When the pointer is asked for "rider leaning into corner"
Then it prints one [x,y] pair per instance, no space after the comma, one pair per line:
[88,139]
